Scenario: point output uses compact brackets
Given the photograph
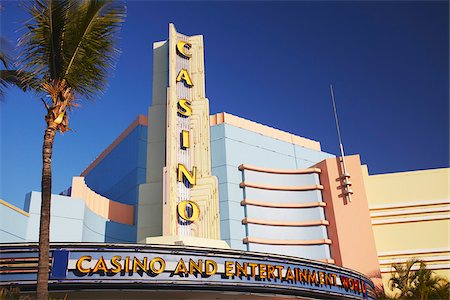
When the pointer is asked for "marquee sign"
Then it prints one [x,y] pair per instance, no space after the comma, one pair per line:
[197,268]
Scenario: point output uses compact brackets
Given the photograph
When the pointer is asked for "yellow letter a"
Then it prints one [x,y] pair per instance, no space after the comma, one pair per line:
[184,75]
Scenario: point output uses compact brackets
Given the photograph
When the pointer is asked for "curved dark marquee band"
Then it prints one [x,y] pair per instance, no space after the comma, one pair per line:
[135,266]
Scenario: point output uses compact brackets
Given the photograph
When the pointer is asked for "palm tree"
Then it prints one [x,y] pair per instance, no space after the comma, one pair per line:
[402,279]
[67,50]
[417,283]
[428,285]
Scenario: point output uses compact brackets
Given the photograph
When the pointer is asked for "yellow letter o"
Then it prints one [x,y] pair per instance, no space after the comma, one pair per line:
[162,265]
[181,208]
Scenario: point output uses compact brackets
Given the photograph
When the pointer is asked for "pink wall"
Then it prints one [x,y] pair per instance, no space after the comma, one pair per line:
[350,229]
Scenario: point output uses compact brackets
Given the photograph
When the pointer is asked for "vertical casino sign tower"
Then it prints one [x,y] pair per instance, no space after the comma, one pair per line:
[180,197]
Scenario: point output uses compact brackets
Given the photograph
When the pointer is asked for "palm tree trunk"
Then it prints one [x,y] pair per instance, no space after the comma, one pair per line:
[44,229]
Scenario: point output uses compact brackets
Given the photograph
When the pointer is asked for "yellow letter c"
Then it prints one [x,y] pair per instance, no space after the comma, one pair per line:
[80,264]
[181,48]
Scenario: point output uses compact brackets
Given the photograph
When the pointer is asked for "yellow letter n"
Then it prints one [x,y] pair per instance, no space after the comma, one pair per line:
[183,172]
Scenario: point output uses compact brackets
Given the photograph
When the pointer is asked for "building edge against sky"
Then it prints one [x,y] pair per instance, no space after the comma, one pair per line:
[278,193]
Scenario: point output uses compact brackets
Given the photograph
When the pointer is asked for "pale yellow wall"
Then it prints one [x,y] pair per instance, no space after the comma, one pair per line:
[408,236]
[410,214]
[408,186]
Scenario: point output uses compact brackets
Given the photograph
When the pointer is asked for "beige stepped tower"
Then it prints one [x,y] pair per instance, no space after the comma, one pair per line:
[179,201]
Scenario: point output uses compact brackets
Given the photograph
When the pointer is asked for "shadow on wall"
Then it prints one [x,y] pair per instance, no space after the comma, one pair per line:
[120,233]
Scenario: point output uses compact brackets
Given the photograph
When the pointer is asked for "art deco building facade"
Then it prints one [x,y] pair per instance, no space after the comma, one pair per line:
[238,202]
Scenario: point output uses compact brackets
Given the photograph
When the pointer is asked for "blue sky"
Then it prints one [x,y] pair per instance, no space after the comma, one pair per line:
[270,62]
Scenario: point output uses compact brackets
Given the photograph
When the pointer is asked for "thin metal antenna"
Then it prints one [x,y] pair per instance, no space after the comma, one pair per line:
[345,176]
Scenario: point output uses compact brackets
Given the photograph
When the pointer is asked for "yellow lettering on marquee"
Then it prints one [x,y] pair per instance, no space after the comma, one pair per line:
[183,172]
[142,265]
[312,277]
[184,107]
[79,265]
[162,265]
[252,268]
[270,272]
[303,275]
[185,139]
[321,277]
[127,264]
[208,270]
[116,264]
[100,265]
[181,208]
[334,279]
[180,268]
[280,271]
[289,275]
[328,279]
[181,49]
[184,76]
[262,271]
[241,269]
[229,268]
[195,266]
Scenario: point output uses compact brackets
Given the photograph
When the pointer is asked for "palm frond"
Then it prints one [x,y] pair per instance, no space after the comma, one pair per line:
[90,53]
[4,59]
[73,41]
[43,41]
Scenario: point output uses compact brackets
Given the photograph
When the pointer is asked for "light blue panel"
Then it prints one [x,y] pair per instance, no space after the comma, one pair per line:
[67,207]
[223,191]
[223,209]
[66,230]
[234,174]
[238,152]
[280,179]
[311,155]
[227,173]
[310,252]
[304,164]
[285,232]
[13,225]
[230,191]
[237,230]
[94,227]
[66,218]
[235,192]
[285,214]
[62,206]
[224,230]
[283,196]
[262,141]
[236,210]
[32,234]
[218,153]
[237,244]
[220,172]
[217,141]
[232,146]
[217,132]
